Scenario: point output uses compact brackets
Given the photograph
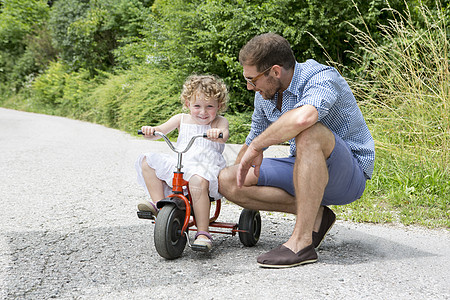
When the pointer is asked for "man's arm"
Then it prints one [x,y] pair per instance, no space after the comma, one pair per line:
[288,126]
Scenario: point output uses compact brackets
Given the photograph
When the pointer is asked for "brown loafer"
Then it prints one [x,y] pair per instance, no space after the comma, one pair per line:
[283,257]
[328,219]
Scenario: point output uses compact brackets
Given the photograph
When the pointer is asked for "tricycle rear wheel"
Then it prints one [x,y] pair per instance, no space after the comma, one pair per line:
[169,240]
[250,222]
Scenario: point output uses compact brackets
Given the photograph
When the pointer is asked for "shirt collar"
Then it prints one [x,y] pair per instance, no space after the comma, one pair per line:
[293,87]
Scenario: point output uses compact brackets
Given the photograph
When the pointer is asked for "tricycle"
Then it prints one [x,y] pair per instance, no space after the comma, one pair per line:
[175,217]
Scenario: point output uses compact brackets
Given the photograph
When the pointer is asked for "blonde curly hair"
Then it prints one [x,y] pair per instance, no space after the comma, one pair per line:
[212,87]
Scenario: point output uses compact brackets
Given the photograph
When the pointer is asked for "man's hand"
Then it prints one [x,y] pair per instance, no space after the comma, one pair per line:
[251,157]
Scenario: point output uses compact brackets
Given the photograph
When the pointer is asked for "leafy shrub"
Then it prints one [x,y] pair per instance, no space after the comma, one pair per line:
[49,87]
[138,97]
[65,93]
[75,102]
[239,126]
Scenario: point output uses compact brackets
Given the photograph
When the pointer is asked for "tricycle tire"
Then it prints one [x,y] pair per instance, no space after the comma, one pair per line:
[169,240]
[250,222]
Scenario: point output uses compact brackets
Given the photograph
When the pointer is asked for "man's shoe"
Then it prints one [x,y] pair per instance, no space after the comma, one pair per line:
[283,257]
[328,219]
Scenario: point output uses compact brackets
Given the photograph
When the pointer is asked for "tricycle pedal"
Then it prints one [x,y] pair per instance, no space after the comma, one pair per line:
[146,215]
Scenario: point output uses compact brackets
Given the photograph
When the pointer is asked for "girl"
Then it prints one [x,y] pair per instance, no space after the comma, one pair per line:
[204,96]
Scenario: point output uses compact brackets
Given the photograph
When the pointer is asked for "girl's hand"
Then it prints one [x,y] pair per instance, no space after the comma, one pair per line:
[148,131]
[213,134]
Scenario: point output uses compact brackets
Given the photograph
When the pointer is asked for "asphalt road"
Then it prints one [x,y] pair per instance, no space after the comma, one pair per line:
[69,231]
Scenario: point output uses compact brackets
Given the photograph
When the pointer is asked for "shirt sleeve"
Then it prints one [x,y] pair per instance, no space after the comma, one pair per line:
[321,91]
[259,121]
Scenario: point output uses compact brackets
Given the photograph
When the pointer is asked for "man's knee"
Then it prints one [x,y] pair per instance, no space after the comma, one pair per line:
[227,181]
[316,138]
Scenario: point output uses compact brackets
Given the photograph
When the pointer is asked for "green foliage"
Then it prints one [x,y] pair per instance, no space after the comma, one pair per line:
[137,97]
[77,89]
[40,47]
[19,21]
[206,36]
[64,93]
[49,87]
[239,126]
[18,18]
[86,32]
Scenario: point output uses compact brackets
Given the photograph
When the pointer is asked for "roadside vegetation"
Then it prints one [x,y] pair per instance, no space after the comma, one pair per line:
[121,63]
[403,87]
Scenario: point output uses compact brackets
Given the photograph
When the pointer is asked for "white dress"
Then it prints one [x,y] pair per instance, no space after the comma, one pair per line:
[204,158]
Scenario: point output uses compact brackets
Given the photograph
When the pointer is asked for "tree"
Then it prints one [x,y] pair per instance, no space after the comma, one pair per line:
[86,32]
[19,20]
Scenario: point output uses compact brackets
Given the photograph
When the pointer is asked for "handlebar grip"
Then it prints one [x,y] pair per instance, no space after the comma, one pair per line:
[220,135]
[141,133]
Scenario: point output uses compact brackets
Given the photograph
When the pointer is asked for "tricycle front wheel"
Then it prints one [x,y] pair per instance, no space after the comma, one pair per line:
[169,240]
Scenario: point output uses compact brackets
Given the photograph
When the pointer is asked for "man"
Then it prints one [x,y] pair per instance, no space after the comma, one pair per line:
[332,151]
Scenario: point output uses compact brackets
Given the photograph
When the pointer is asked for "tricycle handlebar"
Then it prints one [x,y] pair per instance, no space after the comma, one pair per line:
[204,135]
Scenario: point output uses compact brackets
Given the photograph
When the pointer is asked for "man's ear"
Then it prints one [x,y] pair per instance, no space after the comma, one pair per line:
[277,70]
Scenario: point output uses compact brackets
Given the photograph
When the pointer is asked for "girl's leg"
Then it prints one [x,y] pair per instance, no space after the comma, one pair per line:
[199,188]
[154,185]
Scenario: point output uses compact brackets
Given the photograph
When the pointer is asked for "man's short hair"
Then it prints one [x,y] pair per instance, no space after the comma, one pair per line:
[266,50]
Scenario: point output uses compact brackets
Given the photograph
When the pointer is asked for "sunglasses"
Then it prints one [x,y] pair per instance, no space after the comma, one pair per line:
[252,81]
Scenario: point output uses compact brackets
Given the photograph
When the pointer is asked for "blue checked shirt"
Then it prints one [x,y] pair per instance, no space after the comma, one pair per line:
[324,88]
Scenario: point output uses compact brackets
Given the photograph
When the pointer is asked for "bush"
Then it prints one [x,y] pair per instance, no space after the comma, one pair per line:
[138,97]
[65,93]
[239,127]
[49,87]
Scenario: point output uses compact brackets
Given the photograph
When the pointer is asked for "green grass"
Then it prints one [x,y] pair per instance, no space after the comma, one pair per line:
[404,93]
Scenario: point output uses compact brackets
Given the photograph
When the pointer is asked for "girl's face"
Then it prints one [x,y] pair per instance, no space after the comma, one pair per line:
[203,112]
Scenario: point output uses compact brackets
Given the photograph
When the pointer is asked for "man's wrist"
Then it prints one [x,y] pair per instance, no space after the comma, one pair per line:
[255,147]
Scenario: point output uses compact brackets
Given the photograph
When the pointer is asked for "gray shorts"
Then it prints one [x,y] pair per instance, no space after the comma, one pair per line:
[346,181]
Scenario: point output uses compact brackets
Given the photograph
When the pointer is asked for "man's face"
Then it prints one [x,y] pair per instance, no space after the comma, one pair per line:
[267,85]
